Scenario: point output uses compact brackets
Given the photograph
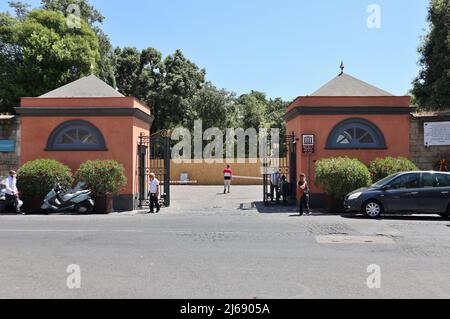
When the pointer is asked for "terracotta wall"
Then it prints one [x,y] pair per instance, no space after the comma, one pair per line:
[117,131]
[104,102]
[9,130]
[394,127]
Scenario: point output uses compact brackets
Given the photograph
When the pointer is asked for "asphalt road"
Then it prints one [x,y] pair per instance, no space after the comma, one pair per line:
[210,245]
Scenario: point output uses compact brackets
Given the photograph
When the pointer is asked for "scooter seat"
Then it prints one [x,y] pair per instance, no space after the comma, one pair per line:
[68,197]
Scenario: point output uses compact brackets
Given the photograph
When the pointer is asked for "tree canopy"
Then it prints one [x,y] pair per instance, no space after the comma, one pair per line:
[39,52]
[431,89]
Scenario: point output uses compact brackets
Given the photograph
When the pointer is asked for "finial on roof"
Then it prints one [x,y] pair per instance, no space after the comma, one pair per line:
[342,67]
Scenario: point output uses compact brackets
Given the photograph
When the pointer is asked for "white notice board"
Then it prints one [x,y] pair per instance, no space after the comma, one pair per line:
[437,133]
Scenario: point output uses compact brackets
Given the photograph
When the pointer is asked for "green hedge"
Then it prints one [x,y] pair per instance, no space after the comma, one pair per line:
[102,177]
[383,167]
[340,176]
[37,178]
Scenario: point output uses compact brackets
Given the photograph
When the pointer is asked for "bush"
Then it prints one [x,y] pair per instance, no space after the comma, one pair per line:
[383,167]
[37,178]
[340,176]
[102,177]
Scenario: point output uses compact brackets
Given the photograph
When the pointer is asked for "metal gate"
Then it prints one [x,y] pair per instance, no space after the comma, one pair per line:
[285,165]
[154,157]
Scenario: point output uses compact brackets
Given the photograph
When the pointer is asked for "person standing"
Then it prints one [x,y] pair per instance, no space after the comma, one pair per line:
[284,189]
[275,186]
[11,192]
[304,195]
[154,193]
[227,176]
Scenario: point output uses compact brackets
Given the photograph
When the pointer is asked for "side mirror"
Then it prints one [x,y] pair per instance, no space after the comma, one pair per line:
[386,188]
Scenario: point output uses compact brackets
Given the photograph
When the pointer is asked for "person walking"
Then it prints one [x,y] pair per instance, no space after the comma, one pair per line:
[304,195]
[227,176]
[154,193]
[11,192]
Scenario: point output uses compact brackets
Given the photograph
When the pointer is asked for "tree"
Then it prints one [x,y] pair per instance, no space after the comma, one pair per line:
[168,86]
[87,12]
[252,108]
[276,109]
[128,70]
[182,79]
[105,63]
[42,53]
[214,107]
[21,9]
[431,89]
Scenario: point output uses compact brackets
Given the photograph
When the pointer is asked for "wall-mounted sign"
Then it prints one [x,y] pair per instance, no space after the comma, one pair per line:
[7,146]
[308,143]
[437,133]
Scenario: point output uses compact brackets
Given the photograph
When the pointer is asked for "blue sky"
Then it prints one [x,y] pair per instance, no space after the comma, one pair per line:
[285,48]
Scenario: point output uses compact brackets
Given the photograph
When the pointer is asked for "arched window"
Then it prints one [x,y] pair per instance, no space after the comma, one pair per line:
[76,135]
[356,134]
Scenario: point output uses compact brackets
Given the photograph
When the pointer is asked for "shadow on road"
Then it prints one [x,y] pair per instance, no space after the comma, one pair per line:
[400,217]
[289,209]
[292,210]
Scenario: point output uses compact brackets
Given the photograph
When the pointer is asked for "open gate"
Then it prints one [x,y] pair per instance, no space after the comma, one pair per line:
[285,165]
[154,157]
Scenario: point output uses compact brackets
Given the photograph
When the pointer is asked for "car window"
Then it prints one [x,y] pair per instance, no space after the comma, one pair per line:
[429,180]
[385,180]
[406,181]
[443,180]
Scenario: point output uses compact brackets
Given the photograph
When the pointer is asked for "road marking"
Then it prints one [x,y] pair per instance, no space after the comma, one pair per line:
[67,231]
[347,239]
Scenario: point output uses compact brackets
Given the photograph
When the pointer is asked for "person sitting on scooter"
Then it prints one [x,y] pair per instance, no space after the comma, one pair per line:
[11,192]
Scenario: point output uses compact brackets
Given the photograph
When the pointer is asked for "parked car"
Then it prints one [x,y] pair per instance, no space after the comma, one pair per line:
[407,192]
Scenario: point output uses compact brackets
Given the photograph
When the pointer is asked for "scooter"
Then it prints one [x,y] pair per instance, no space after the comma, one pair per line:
[76,200]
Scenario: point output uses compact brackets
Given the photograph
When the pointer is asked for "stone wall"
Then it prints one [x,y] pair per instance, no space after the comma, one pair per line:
[427,158]
[9,130]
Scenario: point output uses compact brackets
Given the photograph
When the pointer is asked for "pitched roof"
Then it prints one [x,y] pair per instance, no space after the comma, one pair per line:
[347,85]
[89,86]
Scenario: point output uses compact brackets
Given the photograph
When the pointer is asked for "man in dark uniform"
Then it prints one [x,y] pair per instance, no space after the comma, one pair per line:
[304,195]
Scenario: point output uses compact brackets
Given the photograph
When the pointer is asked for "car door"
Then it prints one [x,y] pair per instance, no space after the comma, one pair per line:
[403,194]
[442,192]
[430,196]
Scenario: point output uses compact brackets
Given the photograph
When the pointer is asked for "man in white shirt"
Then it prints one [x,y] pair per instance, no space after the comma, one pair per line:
[153,189]
[11,191]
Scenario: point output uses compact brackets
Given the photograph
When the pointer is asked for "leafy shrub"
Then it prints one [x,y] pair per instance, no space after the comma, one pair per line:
[340,176]
[383,167]
[102,177]
[36,178]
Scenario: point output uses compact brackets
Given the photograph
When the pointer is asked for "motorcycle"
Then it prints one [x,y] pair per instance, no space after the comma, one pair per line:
[77,200]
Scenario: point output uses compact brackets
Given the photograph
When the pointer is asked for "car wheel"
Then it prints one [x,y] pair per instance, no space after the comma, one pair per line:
[446,215]
[372,209]
[83,208]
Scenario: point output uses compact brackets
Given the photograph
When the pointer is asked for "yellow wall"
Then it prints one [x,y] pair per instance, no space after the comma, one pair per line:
[212,174]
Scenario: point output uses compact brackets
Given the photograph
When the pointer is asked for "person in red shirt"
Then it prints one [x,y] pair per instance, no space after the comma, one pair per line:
[227,176]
